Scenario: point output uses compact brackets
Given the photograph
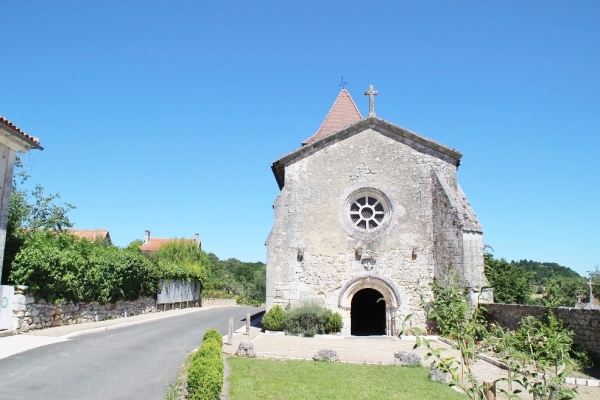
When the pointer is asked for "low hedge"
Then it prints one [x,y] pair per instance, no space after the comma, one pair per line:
[205,375]
[213,334]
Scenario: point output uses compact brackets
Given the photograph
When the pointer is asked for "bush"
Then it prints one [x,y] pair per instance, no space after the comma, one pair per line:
[182,260]
[544,341]
[213,334]
[334,323]
[205,375]
[59,266]
[311,318]
[274,319]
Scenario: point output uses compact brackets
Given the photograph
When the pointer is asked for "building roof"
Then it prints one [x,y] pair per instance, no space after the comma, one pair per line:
[150,244]
[343,113]
[414,140]
[93,235]
[13,137]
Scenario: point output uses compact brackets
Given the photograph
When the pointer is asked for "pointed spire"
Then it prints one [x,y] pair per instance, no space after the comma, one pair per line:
[343,113]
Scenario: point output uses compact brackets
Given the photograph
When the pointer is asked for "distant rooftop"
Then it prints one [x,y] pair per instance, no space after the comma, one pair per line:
[93,235]
[150,245]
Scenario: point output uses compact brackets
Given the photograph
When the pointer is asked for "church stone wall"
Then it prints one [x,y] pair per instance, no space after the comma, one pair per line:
[312,254]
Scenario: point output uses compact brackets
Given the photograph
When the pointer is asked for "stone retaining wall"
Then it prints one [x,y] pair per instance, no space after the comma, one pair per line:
[29,314]
[217,302]
[584,323]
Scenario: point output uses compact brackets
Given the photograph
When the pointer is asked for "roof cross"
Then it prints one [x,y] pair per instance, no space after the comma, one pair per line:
[343,84]
[371,93]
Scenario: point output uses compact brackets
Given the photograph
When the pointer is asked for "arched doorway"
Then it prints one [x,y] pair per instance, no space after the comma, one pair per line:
[368,313]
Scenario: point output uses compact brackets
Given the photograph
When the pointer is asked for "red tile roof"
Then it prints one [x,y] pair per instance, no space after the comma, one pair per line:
[35,142]
[91,234]
[343,113]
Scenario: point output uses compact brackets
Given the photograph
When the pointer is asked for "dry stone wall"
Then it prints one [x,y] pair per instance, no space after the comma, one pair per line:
[584,323]
[29,314]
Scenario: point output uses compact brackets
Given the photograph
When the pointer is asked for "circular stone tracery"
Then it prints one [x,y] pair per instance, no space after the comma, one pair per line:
[367,211]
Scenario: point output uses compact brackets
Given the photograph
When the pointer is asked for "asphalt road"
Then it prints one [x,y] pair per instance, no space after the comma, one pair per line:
[135,362]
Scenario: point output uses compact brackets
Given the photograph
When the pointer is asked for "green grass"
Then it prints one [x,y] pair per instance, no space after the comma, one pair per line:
[272,379]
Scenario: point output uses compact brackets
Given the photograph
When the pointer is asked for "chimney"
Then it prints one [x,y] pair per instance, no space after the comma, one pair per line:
[146,236]
[197,239]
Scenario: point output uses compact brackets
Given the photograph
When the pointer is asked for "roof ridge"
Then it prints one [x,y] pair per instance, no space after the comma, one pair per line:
[334,126]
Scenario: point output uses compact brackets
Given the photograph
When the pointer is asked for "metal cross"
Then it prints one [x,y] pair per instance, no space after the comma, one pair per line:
[343,84]
[371,93]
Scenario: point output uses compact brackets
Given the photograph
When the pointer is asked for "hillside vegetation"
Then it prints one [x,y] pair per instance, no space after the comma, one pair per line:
[538,283]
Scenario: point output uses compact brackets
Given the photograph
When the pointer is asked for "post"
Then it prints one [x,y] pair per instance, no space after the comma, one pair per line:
[490,390]
[248,324]
[230,332]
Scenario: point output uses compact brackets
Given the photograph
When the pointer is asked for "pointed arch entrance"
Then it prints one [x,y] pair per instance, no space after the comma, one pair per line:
[372,303]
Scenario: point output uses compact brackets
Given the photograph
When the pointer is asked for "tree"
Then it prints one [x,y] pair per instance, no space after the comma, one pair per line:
[512,285]
[244,279]
[30,210]
[562,292]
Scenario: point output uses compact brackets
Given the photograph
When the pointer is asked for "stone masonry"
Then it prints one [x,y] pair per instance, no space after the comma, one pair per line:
[29,314]
[585,324]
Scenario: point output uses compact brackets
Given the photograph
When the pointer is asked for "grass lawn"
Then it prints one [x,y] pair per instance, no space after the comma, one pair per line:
[290,379]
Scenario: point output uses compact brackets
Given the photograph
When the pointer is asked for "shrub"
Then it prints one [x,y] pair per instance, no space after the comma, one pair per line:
[274,319]
[544,341]
[182,260]
[59,266]
[311,318]
[213,334]
[334,323]
[205,375]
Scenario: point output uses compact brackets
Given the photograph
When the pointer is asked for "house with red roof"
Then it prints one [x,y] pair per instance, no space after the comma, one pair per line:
[12,140]
[150,245]
[93,235]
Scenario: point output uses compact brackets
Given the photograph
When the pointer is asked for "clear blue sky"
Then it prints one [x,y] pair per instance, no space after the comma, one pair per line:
[166,115]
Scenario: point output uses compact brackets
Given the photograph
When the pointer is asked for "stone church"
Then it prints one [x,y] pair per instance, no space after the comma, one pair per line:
[367,215]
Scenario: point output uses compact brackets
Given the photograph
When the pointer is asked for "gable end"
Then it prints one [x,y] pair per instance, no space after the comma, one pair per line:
[414,140]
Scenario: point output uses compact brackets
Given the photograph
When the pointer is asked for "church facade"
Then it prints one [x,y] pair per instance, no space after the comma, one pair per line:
[368,214]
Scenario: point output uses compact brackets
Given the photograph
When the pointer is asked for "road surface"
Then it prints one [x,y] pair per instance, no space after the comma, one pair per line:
[134,362]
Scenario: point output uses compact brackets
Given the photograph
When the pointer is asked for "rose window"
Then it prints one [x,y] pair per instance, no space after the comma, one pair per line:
[367,212]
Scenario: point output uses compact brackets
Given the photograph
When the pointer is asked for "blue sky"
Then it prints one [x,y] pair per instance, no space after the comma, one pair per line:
[166,115]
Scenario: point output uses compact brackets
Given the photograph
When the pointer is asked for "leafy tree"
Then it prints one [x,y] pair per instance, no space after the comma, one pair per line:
[511,283]
[561,291]
[59,266]
[30,209]
[246,280]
